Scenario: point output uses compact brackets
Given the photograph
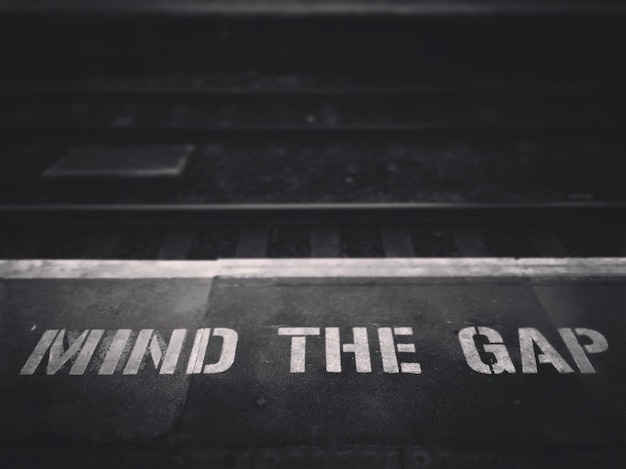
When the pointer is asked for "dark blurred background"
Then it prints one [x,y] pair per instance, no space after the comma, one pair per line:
[319,101]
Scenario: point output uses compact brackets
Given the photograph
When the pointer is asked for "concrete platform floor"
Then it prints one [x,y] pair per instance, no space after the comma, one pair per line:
[351,363]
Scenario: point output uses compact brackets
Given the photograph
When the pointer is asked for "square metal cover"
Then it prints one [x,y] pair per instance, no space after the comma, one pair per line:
[124,162]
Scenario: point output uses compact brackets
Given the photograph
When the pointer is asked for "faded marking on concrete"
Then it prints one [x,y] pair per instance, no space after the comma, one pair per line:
[86,352]
[173,351]
[502,364]
[534,349]
[40,350]
[388,348]
[148,343]
[360,348]
[113,355]
[198,351]
[52,341]
[298,345]
[529,338]
[598,344]
[229,349]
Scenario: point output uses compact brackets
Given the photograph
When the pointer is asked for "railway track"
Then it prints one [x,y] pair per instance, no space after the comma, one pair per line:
[201,231]
[561,127]
[408,109]
[320,142]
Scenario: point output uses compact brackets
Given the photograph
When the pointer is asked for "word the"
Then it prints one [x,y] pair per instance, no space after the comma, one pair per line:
[359,347]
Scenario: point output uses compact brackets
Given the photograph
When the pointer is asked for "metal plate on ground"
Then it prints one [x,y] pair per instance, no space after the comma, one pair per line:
[442,361]
[126,162]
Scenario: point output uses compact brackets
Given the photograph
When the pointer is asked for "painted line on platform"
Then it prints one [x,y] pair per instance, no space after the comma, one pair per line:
[291,8]
[270,268]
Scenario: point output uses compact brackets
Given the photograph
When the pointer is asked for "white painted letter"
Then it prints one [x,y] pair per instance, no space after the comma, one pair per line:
[502,364]
[113,355]
[196,359]
[528,338]
[298,345]
[388,350]
[198,351]
[598,344]
[229,348]
[360,348]
[84,345]
[40,350]
[147,338]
